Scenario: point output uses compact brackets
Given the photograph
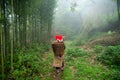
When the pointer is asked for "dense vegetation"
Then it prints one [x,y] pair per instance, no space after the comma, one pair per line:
[84,65]
[100,64]
[23,24]
[26,31]
[110,56]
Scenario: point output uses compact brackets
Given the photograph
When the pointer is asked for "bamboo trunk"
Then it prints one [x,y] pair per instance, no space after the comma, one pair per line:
[1,47]
[12,30]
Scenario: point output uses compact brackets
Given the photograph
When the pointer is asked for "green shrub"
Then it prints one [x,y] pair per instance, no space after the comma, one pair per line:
[43,47]
[115,74]
[79,42]
[88,71]
[27,64]
[110,55]
[76,52]
[98,49]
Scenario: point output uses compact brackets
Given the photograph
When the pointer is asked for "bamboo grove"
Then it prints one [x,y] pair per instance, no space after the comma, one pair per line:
[23,23]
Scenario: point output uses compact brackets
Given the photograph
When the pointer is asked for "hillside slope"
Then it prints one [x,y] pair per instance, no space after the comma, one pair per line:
[108,40]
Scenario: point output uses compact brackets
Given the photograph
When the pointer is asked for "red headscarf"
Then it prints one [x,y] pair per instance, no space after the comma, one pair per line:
[59,38]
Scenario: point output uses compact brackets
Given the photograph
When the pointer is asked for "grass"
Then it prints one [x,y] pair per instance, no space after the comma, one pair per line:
[67,74]
[80,65]
[84,70]
[33,64]
[47,68]
[110,56]
[87,71]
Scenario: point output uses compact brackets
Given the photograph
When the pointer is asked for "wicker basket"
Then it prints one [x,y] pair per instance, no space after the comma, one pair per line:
[58,49]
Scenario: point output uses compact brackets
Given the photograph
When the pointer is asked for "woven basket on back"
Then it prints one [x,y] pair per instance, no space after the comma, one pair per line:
[58,48]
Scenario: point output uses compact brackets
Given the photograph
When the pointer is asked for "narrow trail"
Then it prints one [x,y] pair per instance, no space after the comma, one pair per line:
[56,76]
[53,74]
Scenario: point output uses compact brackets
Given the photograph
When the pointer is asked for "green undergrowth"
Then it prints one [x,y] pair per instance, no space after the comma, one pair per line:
[79,66]
[67,74]
[110,56]
[36,64]
[31,65]
[76,52]
[85,70]
[84,38]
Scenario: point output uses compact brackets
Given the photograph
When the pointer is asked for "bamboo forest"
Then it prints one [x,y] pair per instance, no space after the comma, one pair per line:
[59,39]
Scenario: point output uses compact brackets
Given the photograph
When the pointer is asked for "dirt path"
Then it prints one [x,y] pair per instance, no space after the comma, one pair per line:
[53,74]
[56,76]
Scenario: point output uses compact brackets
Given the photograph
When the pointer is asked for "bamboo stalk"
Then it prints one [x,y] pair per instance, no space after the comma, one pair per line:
[1,50]
[12,30]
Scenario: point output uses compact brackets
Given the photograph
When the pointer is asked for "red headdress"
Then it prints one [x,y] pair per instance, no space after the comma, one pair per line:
[59,38]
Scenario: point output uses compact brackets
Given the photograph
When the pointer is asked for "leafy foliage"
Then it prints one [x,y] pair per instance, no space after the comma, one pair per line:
[76,52]
[79,67]
[27,65]
[31,64]
[111,56]
[115,74]
[85,70]
[80,42]
[23,24]
[98,49]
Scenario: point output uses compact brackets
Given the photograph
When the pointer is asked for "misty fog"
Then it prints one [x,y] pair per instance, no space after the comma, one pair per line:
[81,17]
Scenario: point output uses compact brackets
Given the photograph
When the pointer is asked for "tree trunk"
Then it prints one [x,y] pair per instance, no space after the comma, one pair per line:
[12,30]
[1,45]
[118,8]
